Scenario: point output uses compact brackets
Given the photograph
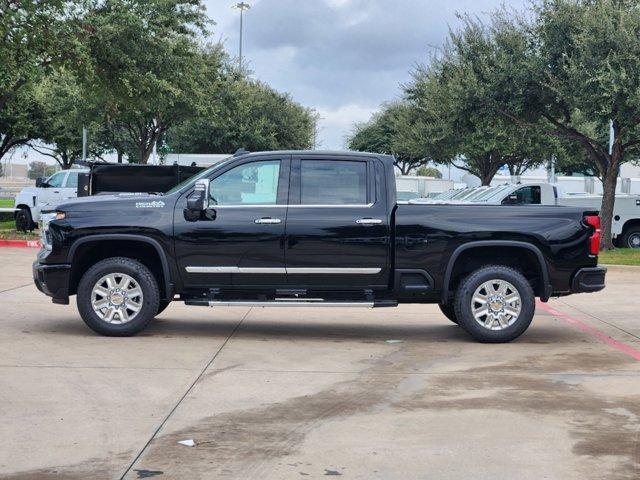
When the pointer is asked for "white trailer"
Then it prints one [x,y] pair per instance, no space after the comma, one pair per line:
[422,186]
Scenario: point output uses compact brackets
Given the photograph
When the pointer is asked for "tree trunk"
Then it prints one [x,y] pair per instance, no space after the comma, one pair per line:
[404,167]
[486,180]
[606,209]
[119,156]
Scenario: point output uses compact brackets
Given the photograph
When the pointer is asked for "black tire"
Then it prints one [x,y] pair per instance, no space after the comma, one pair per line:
[144,278]
[24,221]
[448,311]
[631,238]
[463,306]
[162,306]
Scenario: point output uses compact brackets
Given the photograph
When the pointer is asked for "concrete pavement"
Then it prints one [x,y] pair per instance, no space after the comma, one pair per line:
[315,393]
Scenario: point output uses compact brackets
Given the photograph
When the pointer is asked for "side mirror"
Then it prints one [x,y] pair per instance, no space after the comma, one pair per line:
[41,182]
[199,199]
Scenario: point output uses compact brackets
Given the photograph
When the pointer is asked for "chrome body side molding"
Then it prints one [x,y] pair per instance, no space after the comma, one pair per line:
[282,270]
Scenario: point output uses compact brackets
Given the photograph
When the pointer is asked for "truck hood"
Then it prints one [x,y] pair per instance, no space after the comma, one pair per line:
[114,202]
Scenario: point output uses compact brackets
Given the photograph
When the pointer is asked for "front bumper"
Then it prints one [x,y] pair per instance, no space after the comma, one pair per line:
[589,279]
[53,280]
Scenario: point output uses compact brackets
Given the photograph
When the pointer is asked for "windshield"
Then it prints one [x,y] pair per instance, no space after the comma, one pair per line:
[198,176]
[494,195]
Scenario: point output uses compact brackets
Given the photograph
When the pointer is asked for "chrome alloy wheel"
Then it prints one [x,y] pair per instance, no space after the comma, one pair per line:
[116,298]
[496,304]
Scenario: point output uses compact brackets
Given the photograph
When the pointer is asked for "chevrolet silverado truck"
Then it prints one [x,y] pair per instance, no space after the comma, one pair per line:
[320,229]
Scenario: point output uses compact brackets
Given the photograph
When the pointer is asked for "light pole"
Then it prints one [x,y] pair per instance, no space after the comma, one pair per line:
[242,6]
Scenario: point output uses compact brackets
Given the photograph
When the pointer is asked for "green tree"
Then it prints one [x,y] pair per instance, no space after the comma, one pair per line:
[16,121]
[425,171]
[572,69]
[148,70]
[62,110]
[248,114]
[40,169]
[459,128]
[392,131]
[35,39]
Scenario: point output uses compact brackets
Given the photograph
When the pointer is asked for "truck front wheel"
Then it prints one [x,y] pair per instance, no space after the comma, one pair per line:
[118,297]
[24,221]
[495,304]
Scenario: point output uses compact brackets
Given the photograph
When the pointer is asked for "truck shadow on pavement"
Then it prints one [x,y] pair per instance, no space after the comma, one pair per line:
[430,332]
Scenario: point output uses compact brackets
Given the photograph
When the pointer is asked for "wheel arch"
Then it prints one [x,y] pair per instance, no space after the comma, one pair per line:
[543,290]
[21,206]
[632,223]
[100,247]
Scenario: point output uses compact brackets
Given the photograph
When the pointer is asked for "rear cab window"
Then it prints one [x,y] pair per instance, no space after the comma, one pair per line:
[334,182]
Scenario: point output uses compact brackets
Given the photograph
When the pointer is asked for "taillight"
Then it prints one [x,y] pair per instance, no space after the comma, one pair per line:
[594,239]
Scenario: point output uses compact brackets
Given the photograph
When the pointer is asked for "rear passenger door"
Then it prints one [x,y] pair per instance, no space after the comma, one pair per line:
[337,231]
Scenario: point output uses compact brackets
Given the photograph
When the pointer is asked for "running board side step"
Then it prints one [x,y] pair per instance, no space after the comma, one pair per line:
[289,303]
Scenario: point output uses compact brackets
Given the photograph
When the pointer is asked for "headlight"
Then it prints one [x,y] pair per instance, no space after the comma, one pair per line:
[45,219]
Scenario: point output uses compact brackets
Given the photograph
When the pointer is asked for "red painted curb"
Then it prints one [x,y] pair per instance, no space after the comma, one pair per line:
[594,332]
[20,243]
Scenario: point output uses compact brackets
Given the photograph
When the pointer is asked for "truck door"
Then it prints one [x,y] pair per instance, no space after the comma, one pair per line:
[53,193]
[244,243]
[337,224]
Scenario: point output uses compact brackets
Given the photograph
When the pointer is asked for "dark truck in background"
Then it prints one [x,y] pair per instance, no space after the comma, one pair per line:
[104,178]
[312,229]
[94,178]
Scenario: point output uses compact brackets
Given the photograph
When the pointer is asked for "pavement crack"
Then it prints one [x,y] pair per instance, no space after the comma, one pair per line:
[181,399]
[15,288]
[599,319]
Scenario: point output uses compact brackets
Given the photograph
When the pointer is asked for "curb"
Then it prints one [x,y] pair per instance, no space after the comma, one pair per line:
[20,243]
[622,267]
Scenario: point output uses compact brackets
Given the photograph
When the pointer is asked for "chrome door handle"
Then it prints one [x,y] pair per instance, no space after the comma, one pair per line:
[268,220]
[369,221]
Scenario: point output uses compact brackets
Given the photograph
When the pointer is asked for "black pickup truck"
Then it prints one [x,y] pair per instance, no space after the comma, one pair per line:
[317,229]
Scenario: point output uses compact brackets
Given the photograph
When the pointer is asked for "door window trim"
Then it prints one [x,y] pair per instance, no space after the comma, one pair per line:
[283,180]
[295,191]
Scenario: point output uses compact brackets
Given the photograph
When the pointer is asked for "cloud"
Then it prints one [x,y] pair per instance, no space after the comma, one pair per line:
[341,57]
[337,123]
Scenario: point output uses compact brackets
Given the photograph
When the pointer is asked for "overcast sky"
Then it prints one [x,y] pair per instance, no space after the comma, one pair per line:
[341,57]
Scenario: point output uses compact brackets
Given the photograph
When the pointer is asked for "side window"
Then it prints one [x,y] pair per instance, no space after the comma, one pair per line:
[72,180]
[529,195]
[524,196]
[333,182]
[251,183]
[56,179]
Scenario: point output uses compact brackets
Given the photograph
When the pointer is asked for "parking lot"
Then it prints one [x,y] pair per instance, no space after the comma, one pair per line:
[309,393]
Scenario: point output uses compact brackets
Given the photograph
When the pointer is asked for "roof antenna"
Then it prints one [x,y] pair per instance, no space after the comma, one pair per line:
[240,151]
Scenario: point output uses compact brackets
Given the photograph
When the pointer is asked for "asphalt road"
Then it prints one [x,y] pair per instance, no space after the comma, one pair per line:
[316,393]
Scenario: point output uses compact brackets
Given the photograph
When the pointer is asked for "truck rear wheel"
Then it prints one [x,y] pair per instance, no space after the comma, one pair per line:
[495,304]
[118,297]
[449,311]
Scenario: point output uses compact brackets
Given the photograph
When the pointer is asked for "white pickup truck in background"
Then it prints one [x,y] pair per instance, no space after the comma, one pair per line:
[28,203]
[626,213]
